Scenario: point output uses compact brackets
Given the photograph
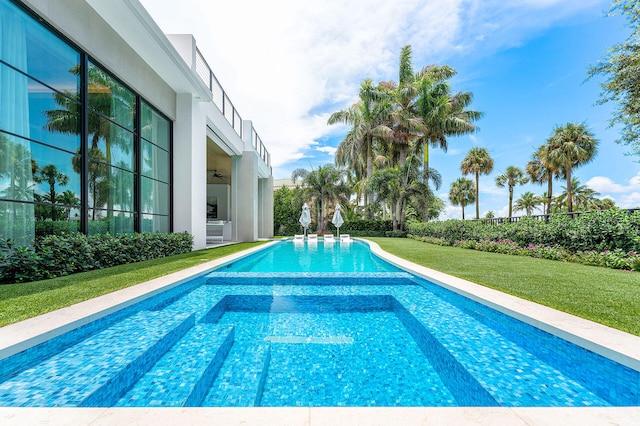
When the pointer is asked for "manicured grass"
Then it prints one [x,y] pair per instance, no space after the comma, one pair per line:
[26,300]
[607,296]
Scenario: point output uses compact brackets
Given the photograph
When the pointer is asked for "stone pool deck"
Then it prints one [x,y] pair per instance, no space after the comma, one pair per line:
[617,345]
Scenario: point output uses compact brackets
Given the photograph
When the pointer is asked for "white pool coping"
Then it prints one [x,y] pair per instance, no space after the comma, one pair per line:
[617,345]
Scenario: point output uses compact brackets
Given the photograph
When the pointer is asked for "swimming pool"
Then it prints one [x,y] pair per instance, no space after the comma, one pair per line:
[243,337]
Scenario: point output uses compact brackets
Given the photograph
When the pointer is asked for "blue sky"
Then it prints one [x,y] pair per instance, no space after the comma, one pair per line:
[287,65]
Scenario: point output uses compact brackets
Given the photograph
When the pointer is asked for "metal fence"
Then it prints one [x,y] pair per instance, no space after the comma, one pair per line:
[544,217]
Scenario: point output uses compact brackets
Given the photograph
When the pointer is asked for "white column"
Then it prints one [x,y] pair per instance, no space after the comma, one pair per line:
[265,226]
[190,170]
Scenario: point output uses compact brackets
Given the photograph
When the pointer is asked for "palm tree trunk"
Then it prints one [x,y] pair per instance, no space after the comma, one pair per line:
[368,197]
[549,196]
[510,199]
[477,196]
[569,191]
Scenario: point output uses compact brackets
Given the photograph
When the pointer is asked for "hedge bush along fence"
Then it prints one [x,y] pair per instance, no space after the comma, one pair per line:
[608,238]
[57,255]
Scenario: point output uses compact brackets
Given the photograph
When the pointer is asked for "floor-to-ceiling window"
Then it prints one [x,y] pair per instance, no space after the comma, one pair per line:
[75,153]
[155,170]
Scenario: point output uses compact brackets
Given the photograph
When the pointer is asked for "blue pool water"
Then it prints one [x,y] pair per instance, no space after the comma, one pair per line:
[373,336]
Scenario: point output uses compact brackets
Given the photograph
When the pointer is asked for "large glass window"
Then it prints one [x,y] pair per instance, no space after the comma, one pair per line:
[154,127]
[32,49]
[155,162]
[110,98]
[125,160]
[155,170]
[112,144]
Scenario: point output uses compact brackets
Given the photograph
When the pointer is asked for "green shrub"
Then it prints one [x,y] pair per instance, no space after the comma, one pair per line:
[58,255]
[600,230]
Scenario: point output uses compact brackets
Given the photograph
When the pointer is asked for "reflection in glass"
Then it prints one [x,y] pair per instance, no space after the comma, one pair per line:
[44,56]
[155,128]
[155,162]
[113,145]
[54,172]
[109,98]
[16,222]
[48,122]
[154,223]
[110,222]
[154,197]
[111,188]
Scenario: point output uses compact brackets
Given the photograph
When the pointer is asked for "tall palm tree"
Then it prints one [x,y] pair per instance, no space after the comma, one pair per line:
[571,146]
[527,202]
[478,161]
[444,114]
[541,170]
[511,177]
[366,118]
[405,125]
[462,193]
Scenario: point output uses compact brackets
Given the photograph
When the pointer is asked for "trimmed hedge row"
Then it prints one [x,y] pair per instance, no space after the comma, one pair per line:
[614,259]
[613,229]
[57,255]
[355,228]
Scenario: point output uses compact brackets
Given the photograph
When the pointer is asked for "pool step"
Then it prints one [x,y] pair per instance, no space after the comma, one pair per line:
[309,278]
[96,371]
[241,379]
[183,376]
[503,368]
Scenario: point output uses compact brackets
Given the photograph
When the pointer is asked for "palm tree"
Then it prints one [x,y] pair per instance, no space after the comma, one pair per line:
[405,125]
[326,185]
[386,185]
[512,177]
[584,198]
[50,175]
[527,202]
[366,118]
[571,146]
[462,193]
[69,200]
[444,114]
[540,170]
[478,161]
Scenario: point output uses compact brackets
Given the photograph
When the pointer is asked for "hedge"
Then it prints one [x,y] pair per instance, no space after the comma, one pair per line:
[613,229]
[58,255]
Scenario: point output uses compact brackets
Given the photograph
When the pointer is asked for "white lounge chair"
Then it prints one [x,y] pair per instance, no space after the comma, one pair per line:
[312,237]
[328,238]
[345,238]
[215,231]
[298,237]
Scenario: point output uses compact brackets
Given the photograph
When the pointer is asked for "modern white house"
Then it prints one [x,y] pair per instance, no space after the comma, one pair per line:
[109,125]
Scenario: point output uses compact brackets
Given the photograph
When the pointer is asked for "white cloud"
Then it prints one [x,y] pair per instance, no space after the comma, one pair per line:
[604,185]
[327,150]
[627,196]
[629,201]
[281,60]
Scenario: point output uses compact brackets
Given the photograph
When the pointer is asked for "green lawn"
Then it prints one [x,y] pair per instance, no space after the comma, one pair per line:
[26,300]
[607,296]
